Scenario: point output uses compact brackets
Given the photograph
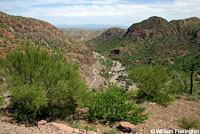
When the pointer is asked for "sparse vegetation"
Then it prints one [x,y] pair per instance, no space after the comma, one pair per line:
[187,123]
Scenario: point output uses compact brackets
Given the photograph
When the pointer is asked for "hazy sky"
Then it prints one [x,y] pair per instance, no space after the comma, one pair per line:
[113,12]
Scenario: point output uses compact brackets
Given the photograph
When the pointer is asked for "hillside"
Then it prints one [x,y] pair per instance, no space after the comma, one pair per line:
[16,30]
[154,40]
[112,38]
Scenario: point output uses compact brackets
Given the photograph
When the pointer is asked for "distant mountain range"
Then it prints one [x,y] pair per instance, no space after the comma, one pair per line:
[90,26]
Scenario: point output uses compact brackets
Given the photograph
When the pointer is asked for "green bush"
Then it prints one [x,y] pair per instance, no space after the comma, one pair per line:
[188,123]
[111,104]
[42,84]
[152,83]
[28,101]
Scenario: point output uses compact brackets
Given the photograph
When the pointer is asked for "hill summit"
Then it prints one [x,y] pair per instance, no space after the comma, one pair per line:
[153,40]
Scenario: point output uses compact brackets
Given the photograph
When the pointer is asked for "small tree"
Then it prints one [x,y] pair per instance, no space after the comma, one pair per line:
[190,64]
[152,83]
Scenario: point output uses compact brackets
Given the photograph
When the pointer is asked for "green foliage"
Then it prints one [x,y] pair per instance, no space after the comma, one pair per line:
[188,123]
[90,128]
[28,102]
[106,62]
[42,84]
[188,63]
[190,98]
[87,128]
[180,82]
[111,104]
[104,74]
[152,83]
[76,125]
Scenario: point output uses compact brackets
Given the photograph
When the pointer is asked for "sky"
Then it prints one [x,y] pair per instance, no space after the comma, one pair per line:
[107,12]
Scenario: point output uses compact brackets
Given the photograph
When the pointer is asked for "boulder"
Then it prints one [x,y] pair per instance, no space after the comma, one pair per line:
[62,127]
[42,122]
[126,127]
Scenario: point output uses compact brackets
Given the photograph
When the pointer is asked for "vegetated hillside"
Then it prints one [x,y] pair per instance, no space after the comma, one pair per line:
[110,39]
[81,35]
[16,30]
[154,40]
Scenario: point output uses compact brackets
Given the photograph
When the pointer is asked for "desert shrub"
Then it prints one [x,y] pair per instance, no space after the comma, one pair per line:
[39,81]
[28,101]
[152,83]
[111,104]
[188,123]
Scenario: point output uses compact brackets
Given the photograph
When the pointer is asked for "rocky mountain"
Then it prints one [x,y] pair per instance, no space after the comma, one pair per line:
[17,30]
[151,28]
[154,40]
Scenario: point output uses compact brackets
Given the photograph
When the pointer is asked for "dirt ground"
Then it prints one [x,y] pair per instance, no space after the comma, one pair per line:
[159,118]
[168,117]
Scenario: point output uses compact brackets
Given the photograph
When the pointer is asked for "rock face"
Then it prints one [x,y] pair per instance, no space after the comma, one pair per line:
[150,28]
[157,27]
[126,127]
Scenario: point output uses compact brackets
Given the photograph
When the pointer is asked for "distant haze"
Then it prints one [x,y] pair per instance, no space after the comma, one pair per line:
[90,26]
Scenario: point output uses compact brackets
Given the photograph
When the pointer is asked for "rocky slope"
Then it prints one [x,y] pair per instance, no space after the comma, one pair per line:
[154,40]
[17,30]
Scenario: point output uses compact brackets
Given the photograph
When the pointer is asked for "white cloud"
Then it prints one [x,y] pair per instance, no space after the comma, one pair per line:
[108,8]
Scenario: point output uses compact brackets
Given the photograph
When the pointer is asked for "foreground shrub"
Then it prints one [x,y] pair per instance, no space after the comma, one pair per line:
[188,123]
[28,101]
[111,104]
[152,83]
[42,84]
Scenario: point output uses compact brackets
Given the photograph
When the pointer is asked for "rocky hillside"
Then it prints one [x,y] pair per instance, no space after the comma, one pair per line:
[154,40]
[17,30]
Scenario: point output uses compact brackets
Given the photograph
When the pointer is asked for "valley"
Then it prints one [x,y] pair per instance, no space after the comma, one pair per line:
[109,81]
